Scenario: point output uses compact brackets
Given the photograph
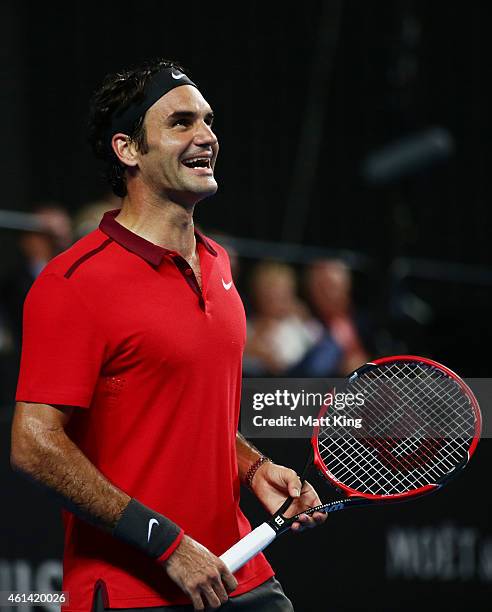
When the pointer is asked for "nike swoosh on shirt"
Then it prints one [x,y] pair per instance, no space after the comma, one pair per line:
[179,75]
[226,286]
[152,522]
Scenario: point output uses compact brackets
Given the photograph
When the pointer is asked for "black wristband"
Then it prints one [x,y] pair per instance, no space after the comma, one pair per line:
[146,529]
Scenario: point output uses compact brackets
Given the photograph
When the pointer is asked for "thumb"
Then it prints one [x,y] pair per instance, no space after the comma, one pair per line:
[293,483]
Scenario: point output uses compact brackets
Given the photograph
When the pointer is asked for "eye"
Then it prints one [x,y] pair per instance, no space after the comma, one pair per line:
[183,122]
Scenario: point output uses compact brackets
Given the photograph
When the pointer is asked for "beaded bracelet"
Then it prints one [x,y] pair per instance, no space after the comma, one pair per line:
[248,481]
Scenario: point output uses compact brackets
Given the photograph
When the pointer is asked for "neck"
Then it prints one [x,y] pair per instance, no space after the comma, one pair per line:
[164,223]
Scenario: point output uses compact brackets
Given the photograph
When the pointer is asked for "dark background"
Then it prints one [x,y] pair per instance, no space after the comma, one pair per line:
[302,93]
[302,97]
[397,67]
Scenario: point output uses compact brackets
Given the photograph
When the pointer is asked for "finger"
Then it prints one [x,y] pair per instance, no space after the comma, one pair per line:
[311,500]
[320,517]
[306,521]
[299,525]
[229,581]
[210,596]
[196,600]
[309,522]
[220,591]
[309,495]
[303,518]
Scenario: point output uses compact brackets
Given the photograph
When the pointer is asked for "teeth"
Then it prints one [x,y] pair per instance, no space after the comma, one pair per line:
[197,159]
[197,162]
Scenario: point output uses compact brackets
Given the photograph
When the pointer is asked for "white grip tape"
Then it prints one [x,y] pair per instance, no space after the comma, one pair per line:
[248,547]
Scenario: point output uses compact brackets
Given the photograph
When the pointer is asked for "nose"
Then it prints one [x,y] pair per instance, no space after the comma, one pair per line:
[205,136]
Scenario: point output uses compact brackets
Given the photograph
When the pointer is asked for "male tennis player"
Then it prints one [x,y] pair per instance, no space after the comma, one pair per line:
[129,386]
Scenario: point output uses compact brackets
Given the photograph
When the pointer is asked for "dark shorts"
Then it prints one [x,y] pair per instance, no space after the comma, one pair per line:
[268,597]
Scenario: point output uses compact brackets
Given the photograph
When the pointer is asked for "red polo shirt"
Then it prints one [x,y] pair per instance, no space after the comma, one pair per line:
[119,327]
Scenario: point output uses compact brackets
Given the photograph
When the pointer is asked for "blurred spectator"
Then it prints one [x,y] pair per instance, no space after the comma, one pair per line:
[58,226]
[329,285]
[90,214]
[281,333]
[36,248]
[6,344]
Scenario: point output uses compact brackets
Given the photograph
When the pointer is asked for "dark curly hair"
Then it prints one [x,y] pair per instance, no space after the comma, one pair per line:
[117,92]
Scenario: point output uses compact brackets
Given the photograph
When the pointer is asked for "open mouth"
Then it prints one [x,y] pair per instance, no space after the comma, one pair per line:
[197,162]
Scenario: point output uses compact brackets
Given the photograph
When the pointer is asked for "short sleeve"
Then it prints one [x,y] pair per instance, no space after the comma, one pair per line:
[62,347]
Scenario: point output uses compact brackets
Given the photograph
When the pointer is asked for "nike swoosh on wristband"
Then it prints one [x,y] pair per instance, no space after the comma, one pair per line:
[152,522]
[226,286]
[178,75]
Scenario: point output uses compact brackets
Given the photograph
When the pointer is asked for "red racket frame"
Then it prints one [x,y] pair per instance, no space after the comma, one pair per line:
[318,461]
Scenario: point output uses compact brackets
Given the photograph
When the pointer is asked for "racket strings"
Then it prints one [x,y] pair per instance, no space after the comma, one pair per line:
[403,449]
[438,399]
[360,471]
[437,396]
[417,426]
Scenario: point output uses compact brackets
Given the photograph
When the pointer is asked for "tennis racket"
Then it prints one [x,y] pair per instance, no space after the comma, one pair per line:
[419,425]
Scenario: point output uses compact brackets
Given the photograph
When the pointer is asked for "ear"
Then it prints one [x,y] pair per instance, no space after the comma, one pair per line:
[124,149]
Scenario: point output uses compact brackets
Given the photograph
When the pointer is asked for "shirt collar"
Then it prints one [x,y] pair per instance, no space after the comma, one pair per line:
[149,251]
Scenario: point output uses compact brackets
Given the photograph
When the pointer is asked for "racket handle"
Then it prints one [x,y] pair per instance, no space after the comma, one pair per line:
[248,547]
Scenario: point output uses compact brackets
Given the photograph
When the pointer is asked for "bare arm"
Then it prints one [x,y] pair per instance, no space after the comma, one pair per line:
[247,454]
[42,451]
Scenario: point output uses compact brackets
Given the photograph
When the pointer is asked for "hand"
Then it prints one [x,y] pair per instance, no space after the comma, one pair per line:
[273,483]
[200,574]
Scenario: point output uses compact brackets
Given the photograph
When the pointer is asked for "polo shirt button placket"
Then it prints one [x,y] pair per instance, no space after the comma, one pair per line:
[188,273]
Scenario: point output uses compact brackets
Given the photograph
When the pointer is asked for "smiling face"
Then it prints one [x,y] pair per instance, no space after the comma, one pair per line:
[182,148]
